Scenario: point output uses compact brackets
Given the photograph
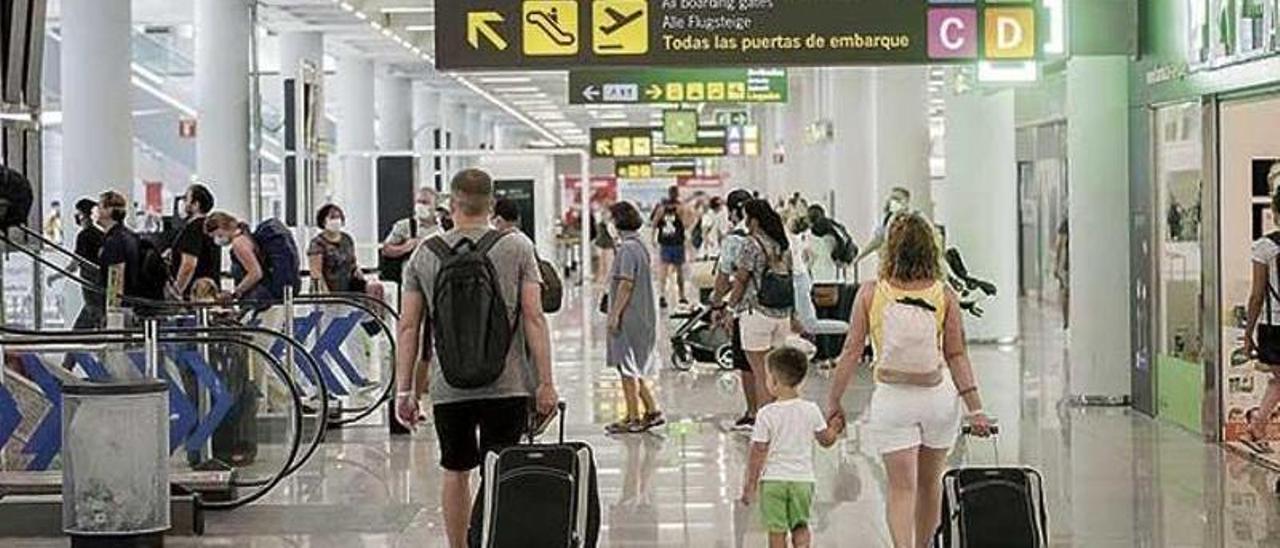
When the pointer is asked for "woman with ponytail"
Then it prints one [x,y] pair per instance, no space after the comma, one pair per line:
[763,294]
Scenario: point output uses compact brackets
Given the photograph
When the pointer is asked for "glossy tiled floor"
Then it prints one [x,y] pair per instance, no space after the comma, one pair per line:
[1113,478]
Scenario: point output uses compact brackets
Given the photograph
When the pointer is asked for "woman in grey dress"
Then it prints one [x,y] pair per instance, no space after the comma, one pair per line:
[632,322]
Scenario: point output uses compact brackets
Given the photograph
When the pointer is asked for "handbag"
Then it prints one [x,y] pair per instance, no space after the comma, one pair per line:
[826,296]
[1268,334]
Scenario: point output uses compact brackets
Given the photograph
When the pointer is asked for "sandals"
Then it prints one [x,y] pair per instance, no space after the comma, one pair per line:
[637,426]
[625,427]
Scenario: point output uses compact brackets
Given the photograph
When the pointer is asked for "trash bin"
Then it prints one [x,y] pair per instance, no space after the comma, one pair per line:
[115,463]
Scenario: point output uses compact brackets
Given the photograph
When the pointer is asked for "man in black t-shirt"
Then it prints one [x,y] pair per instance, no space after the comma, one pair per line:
[89,246]
[121,256]
[194,254]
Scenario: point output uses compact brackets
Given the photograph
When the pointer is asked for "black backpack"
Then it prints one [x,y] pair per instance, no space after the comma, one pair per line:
[469,314]
[552,287]
[15,198]
[775,289]
[279,253]
[153,272]
[845,251]
[670,230]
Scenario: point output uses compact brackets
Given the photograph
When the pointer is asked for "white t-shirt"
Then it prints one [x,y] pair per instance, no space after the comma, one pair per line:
[788,427]
[1265,251]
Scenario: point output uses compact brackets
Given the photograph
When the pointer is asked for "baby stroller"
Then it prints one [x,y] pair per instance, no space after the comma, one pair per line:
[696,340]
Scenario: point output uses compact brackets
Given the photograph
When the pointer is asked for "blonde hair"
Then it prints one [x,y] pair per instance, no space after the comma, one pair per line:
[911,251]
[204,290]
[220,220]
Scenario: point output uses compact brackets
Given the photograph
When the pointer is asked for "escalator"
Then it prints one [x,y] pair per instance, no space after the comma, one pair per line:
[192,355]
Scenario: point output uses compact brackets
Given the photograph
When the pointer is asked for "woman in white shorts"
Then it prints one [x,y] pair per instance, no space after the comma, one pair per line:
[764,311]
[922,375]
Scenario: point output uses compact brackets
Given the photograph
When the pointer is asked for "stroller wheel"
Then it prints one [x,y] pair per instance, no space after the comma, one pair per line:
[680,359]
[724,357]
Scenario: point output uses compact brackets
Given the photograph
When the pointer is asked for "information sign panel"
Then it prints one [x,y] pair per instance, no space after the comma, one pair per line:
[523,34]
[646,86]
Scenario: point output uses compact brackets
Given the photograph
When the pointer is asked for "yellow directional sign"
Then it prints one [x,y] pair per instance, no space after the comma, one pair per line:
[481,23]
[715,91]
[654,92]
[550,27]
[620,27]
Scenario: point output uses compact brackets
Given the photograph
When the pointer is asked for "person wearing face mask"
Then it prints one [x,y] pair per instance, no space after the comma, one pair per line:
[407,233]
[194,254]
[899,202]
[332,257]
[247,258]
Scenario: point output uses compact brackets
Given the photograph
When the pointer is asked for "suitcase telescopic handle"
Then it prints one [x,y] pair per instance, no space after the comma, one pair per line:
[967,430]
[560,407]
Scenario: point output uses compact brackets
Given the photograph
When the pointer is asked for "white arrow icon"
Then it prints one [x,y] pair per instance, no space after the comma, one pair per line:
[591,94]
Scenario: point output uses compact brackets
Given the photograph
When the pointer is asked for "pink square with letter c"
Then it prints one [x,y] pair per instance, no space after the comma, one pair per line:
[953,33]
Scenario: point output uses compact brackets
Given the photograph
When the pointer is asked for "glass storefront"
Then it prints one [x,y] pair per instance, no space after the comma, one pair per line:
[1179,181]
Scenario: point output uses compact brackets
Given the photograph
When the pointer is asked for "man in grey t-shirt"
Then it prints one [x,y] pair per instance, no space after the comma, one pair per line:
[472,422]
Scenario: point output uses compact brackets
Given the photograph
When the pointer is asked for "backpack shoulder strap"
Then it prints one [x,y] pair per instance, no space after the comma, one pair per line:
[441,248]
[491,239]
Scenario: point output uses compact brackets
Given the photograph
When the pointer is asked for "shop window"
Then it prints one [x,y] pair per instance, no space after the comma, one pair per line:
[1179,184]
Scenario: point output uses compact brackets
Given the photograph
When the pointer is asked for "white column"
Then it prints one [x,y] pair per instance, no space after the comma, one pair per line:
[1098,183]
[395,113]
[981,197]
[297,47]
[355,133]
[223,30]
[851,171]
[902,134]
[426,116]
[97,120]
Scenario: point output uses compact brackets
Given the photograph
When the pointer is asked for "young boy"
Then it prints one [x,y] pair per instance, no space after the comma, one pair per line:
[780,467]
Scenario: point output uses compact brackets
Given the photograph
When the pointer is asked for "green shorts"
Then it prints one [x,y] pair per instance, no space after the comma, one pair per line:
[785,504]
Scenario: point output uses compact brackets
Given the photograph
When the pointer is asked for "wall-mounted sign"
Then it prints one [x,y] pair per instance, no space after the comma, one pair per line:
[641,86]
[740,117]
[642,143]
[186,128]
[571,34]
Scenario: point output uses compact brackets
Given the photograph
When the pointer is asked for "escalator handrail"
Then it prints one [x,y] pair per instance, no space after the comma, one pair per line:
[84,261]
[92,337]
[291,463]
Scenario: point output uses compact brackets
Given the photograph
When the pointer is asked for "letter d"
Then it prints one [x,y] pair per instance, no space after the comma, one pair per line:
[1009,33]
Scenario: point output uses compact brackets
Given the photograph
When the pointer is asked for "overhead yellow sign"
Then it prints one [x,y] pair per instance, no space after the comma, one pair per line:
[550,27]
[481,24]
[620,27]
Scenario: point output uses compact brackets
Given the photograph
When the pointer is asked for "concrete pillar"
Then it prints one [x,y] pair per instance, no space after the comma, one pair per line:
[355,96]
[982,176]
[297,47]
[475,128]
[223,33]
[902,134]
[851,171]
[97,126]
[395,113]
[1098,183]
[426,116]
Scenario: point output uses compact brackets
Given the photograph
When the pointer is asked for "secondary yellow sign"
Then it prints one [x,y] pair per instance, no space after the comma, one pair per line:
[550,27]
[620,27]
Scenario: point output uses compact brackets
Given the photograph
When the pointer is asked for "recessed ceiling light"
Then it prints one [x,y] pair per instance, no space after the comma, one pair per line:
[615,124]
[505,79]
[516,90]
[408,9]
[420,28]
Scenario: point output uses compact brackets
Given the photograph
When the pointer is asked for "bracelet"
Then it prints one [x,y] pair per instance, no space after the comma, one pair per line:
[405,394]
[967,391]
[975,413]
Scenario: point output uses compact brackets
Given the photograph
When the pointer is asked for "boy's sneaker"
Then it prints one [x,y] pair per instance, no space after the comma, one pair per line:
[745,424]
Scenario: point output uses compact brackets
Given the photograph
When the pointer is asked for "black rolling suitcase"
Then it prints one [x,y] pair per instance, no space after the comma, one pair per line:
[994,507]
[540,495]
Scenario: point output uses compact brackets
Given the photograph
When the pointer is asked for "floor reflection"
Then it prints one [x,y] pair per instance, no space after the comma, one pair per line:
[1113,478]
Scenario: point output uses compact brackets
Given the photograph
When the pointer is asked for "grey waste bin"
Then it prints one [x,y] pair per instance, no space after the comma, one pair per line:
[115,463]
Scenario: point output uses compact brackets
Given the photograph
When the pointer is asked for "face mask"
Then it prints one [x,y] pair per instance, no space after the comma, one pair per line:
[423,212]
[334,224]
[221,241]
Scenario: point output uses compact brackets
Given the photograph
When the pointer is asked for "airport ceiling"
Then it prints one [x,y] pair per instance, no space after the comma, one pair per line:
[400,34]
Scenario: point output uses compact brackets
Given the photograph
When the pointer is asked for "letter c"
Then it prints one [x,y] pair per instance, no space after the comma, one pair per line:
[951,33]
[1010,33]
